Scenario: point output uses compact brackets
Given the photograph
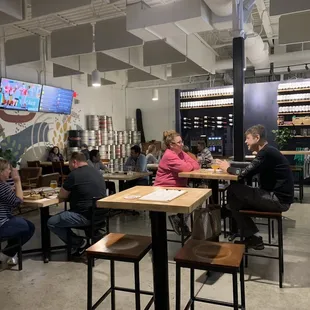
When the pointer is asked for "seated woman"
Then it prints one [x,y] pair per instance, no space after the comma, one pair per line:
[174,161]
[54,155]
[12,227]
[151,154]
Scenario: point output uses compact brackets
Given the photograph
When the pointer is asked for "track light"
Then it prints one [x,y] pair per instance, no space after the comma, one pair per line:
[155,94]
[306,67]
[95,78]
[288,69]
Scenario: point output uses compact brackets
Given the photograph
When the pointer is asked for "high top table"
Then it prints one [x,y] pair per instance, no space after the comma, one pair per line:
[186,203]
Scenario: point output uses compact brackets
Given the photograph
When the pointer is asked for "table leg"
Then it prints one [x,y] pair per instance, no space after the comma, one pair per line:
[215,191]
[121,185]
[160,260]
[45,233]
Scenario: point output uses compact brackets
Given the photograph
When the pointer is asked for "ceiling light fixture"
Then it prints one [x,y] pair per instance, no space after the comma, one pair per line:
[95,78]
[155,94]
[288,69]
[169,70]
[306,67]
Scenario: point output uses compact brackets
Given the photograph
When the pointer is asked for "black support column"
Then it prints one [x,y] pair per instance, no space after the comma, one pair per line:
[238,65]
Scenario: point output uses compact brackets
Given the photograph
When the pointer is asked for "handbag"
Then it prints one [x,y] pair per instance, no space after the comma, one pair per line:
[207,223]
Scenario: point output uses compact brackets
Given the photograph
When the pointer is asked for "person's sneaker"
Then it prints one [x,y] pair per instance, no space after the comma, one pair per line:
[13,261]
[253,242]
[80,251]
[175,223]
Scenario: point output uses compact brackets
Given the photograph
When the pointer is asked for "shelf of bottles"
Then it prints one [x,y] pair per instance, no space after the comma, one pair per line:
[207,98]
[294,107]
[200,122]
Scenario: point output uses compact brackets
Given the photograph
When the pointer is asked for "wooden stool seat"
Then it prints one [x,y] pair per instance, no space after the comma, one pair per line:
[261,214]
[118,246]
[208,253]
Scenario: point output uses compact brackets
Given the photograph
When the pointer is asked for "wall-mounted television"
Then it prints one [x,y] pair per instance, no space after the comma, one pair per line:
[56,100]
[18,95]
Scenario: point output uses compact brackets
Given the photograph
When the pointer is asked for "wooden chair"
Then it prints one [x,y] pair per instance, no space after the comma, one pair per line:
[34,163]
[123,248]
[45,180]
[270,216]
[58,166]
[29,177]
[211,256]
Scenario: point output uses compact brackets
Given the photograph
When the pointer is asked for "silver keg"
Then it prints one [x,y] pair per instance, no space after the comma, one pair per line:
[93,122]
[104,137]
[110,138]
[91,138]
[103,122]
[131,124]
[109,123]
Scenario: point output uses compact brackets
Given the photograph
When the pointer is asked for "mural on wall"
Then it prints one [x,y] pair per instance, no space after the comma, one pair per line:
[34,132]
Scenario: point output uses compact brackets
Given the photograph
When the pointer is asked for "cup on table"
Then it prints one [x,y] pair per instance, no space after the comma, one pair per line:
[53,184]
[215,165]
[130,170]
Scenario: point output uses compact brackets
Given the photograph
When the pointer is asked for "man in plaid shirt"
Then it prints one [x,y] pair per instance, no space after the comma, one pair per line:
[204,156]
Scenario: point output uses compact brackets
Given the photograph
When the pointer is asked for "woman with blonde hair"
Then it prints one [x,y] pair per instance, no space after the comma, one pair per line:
[174,161]
[15,229]
[151,154]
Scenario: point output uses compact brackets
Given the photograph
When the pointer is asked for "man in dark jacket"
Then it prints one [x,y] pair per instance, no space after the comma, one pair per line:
[276,191]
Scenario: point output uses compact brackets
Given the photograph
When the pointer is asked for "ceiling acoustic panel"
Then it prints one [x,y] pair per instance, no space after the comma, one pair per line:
[159,53]
[136,75]
[61,71]
[106,63]
[71,41]
[188,68]
[278,7]
[45,7]
[293,28]
[112,34]
[22,50]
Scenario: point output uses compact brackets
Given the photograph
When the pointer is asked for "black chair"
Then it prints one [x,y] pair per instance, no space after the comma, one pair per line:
[19,252]
[99,222]
[270,216]
[298,172]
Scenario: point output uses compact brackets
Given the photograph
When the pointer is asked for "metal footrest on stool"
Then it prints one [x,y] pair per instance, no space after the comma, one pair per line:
[274,216]
[122,248]
[211,256]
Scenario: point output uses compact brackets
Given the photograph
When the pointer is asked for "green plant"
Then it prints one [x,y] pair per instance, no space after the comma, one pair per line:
[8,155]
[282,136]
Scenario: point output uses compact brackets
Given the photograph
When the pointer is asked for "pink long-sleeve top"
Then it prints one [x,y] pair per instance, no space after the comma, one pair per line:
[171,165]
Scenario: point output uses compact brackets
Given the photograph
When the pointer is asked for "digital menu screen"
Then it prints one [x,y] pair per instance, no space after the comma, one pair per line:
[18,95]
[56,100]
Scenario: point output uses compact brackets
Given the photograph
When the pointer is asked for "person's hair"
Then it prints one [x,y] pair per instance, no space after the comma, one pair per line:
[84,145]
[93,153]
[80,157]
[136,149]
[53,148]
[151,148]
[169,136]
[202,143]
[185,148]
[4,164]
[257,130]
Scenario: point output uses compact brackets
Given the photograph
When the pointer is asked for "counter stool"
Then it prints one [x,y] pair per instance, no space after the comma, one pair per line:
[298,171]
[211,256]
[270,216]
[19,251]
[120,248]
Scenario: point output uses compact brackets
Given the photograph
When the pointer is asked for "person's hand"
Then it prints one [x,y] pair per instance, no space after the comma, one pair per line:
[15,175]
[224,164]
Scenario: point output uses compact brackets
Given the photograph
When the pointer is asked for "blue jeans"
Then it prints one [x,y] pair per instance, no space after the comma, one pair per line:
[14,229]
[61,223]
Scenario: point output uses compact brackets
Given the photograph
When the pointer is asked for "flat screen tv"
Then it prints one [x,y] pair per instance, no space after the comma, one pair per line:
[18,95]
[56,100]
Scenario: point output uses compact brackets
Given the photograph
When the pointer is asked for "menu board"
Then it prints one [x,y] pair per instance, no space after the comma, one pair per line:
[18,95]
[56,100]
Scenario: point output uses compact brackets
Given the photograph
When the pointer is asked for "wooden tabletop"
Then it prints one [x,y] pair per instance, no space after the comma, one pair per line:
[186,203]
[45,202]
[208,174]
[125,177]
[49,163]
[295,152]
[152,167]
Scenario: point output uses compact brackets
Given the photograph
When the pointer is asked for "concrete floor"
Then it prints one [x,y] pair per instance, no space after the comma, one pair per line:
[62,285]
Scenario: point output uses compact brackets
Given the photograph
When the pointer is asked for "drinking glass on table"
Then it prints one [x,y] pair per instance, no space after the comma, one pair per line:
[130,170]
[53,184]
[215,165]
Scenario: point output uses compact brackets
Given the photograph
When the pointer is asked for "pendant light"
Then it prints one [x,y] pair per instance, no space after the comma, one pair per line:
[95,78]
[155,94]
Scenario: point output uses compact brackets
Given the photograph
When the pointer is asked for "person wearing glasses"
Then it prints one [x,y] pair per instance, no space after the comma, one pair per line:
[174,161]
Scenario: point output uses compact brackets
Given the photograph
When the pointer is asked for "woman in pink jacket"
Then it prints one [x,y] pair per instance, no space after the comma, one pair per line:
[174,161]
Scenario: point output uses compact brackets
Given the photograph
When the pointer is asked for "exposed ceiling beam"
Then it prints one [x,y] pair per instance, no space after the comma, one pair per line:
[264,14]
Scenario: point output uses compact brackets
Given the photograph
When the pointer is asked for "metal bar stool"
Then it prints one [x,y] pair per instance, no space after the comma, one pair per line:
[121,248]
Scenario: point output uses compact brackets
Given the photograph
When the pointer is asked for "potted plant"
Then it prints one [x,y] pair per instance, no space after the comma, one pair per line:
[9,156]
[282,136]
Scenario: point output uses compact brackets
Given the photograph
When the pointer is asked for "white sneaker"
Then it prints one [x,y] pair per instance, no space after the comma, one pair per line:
[13,261]
[4,258]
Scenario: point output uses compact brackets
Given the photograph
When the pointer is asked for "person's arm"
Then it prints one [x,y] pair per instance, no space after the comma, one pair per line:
[153,160]
[67,187]
[176,164]
[127,163]
[191,160]
[141,164]
[102,166]
[17,183]
[207,156]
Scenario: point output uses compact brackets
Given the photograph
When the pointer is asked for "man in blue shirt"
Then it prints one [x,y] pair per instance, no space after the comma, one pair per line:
[137,163]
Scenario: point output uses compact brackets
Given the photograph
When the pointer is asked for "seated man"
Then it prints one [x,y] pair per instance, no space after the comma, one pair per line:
[136,162]
[204,155]
[95,161]
[83,183]
[276,192]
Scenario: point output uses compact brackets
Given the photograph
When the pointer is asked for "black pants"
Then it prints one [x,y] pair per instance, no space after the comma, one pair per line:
[111,187]
[243,197]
